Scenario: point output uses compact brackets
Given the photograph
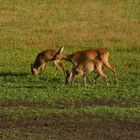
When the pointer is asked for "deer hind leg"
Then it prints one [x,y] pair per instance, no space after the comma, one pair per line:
[56,69]
[85,79]
[67,80]
[90,81]
[98,75]
[113,70]
[58,64]
[72,78]
[104,59]
[95,79]
[101,72]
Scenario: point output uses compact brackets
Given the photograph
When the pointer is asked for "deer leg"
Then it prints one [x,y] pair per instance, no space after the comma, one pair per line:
[56,68]
[56,71]
[67,77]
[90,81]
[98,75]
[85,79]
[104,59]
[101,72]
[72,78]
[58,64]
[113,70]
[106,78]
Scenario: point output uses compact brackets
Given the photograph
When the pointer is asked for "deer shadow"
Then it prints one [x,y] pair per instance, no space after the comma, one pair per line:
[30,79]
[13,74]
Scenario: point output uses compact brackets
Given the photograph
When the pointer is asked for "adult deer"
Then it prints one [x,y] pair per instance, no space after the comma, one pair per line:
[90,54]
[84,68]
[41,60]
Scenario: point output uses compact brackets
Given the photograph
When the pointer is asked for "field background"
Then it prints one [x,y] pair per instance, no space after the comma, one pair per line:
[29,27]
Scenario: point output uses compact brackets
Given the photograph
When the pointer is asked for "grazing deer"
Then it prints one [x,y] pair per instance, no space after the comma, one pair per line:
[41,60]
[84,68]
[91,54]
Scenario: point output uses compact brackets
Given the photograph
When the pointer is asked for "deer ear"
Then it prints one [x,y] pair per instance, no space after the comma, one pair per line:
[61,50]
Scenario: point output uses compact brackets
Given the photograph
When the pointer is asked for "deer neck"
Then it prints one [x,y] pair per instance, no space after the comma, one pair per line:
[67,57]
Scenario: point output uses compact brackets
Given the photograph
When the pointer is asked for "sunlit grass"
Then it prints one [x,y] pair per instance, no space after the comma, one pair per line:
[28,27]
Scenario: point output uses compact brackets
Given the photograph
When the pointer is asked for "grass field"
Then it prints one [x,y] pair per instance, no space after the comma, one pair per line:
[29,103]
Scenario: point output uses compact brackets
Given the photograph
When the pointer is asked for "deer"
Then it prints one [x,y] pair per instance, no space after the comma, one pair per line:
[42,59]
[84,68]
[91,54]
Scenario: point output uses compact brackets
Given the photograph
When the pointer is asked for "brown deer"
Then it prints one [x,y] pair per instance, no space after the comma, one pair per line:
[91,54]
[41,60]
[84,68]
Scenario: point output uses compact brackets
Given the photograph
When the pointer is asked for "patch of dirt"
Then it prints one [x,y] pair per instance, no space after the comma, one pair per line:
[68,104]
[68,128]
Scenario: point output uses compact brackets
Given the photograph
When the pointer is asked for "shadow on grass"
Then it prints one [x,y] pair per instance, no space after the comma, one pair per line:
[30,87]
[25,74]
[11,74]
[28,81]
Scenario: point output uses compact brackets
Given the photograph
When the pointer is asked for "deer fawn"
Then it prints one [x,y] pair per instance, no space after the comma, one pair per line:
[84,68]
[91,54]
[41,60]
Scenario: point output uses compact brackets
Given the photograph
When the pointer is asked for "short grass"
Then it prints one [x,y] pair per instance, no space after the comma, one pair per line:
[28,27]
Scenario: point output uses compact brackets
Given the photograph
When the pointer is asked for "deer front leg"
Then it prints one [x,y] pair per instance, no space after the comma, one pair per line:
[90,81]
[58,64]
[85,79]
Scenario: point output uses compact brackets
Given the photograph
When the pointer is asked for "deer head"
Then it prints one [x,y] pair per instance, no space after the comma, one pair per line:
[35,71]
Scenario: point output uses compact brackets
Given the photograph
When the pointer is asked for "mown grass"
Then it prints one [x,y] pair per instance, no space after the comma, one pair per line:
[28,27]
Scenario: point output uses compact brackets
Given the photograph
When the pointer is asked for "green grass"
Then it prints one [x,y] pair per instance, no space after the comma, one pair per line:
[104,112]
[28,27]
